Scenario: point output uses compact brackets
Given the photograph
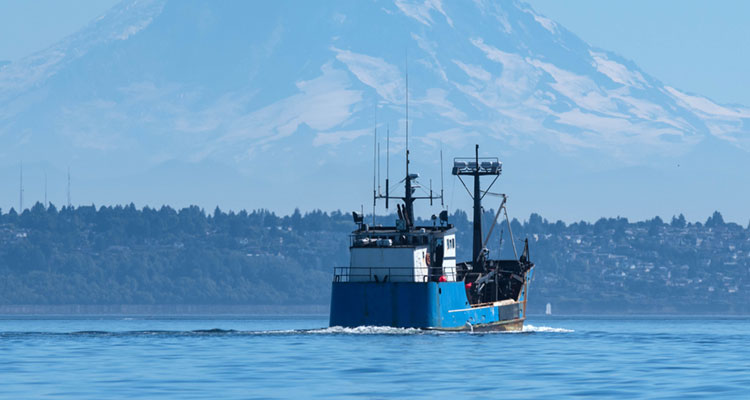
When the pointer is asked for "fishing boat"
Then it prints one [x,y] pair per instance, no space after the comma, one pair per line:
[407,276]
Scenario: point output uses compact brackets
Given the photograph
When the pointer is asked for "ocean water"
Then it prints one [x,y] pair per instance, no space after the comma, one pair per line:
[297,357]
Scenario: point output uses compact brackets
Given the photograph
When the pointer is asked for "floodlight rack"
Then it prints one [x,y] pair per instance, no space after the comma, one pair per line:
[476,167]
[473,165]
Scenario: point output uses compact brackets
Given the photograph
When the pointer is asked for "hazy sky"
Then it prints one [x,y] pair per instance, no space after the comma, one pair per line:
[698,46]
[267,107]
[29,26]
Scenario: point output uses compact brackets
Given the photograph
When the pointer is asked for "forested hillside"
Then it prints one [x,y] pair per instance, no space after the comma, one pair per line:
[124,255]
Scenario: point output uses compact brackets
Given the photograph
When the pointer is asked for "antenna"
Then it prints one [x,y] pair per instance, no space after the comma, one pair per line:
[430,191]
[387,162]
[407,114]
[374,165]
[45,189]
[411,183]
[379,193]
[20,192]
[408,198]
[441,174]
[68,186]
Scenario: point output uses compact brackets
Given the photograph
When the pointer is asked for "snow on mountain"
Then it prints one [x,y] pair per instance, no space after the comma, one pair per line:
[291,92]
[121,22]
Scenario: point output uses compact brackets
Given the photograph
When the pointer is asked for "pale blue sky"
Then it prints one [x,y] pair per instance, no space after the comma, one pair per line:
[697,46]
[131,121]
[28,26]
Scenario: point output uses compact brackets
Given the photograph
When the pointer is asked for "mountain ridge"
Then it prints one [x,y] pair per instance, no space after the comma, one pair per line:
[157,81]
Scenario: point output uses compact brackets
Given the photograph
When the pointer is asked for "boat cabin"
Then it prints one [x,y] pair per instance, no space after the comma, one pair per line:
[390,254]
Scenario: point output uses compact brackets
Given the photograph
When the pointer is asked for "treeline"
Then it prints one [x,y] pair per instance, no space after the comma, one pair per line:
[124,255]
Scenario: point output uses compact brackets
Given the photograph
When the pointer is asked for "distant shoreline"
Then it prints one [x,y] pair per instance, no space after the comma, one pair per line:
[162,309]
[271,310]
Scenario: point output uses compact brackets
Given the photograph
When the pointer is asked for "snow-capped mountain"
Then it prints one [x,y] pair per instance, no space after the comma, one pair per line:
[262,104]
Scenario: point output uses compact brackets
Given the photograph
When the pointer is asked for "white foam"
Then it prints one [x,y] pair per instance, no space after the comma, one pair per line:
[532,328]
[368,330]
[339,330]
[387,330]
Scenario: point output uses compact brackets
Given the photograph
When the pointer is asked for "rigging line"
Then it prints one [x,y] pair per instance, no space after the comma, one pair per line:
[395,185]
[488,187]
[465,187]
[494,221]
[424,191]
[419,185]
[512,240]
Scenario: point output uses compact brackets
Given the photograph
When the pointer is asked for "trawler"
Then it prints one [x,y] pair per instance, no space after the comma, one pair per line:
[407,275]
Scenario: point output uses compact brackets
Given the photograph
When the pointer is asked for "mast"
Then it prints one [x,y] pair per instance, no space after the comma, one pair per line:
[477,240]
[408,199]
[473,167]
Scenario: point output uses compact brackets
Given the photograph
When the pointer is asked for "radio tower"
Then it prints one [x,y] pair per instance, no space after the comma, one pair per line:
[68,187]
[20,200]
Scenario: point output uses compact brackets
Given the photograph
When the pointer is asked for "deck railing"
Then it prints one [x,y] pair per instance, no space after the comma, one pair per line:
[384,274]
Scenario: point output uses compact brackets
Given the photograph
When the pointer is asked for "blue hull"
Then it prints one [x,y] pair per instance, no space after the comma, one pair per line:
[428,305]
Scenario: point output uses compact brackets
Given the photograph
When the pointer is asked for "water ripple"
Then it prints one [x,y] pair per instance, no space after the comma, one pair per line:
[295,358]
[336,330]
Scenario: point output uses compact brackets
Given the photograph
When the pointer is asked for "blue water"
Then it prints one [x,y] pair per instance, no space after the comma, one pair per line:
[292,357]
